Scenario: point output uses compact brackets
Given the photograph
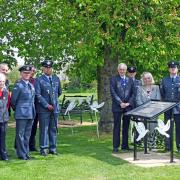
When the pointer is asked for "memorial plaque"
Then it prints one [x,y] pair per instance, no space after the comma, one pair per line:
[151,109]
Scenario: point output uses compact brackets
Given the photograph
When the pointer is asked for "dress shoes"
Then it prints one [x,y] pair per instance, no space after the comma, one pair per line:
[126,149]
[115,151]
[23,158]
[33,149]
[30,158]
[53,152]
[43,153]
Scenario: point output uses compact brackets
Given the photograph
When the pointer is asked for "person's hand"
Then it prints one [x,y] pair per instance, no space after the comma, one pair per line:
[127,104]
[123,105]
[50,107]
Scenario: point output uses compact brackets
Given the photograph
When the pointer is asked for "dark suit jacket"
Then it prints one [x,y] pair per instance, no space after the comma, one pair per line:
[121,94]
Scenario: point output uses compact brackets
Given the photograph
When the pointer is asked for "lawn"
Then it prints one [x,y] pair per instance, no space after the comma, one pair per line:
[81,156]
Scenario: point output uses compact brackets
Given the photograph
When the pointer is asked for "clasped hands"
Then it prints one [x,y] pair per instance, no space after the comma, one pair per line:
[124,105]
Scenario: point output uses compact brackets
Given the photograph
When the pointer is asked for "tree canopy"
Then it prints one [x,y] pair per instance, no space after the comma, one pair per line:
[94,35]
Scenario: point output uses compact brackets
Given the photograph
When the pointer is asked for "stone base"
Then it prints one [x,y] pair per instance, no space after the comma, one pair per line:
[152,159]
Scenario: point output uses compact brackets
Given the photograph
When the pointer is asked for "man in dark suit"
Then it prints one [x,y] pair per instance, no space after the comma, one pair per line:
[48,90]
[170,91]
[22,102]
[32,140]
[122,92]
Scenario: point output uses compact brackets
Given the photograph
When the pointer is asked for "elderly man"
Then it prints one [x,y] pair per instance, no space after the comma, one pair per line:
[48,90]
[22,102]
[122,92]
[170,91]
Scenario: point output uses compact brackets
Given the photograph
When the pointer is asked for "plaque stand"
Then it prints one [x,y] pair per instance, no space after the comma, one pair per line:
[146,113]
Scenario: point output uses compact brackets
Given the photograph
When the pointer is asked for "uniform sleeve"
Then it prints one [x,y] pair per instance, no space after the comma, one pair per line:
[114,95]
[162,91]
[14,96]
[39,97]
[59,88]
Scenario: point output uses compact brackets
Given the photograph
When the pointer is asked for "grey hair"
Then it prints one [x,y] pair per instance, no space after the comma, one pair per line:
[122,65]
[2,75]
[148,74]
[3,64]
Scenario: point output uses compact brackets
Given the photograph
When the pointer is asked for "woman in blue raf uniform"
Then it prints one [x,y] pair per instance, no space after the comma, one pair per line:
[170,91]
[4,116]
[48,90]
[22,102]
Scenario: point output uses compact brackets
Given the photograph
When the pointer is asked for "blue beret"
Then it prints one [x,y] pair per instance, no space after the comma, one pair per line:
[47,63]
[131,69]
[25,68]
[173,64]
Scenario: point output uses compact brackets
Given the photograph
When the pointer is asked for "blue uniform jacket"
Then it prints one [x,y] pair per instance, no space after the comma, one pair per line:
[46,94]
[22,100]
[121,94]
[170,91]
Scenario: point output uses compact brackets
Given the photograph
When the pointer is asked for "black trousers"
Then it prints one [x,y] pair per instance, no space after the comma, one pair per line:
[3,153]
[32,139]
[167,116]
[117,128]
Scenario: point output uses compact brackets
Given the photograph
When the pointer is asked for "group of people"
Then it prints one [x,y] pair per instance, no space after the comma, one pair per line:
[36,99]
[127,93]
[33,100]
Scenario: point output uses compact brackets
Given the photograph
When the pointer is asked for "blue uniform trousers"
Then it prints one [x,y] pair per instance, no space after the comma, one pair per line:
[167,116]
[117,127]
[3,127]
[47,130]
[23,132]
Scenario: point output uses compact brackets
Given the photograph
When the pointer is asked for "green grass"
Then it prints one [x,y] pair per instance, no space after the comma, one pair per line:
[81,156]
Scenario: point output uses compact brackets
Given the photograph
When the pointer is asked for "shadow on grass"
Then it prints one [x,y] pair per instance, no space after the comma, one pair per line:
[84,142]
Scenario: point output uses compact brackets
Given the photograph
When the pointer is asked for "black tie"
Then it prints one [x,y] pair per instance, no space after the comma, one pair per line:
[50,80]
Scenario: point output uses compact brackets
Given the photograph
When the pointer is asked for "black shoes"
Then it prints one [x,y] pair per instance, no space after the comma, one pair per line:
[115,151]
[43,153]
[53,152]
[126,149]
[32,149]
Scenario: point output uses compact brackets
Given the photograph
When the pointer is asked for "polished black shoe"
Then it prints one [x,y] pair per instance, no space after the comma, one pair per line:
[33,149]
[115,151]
[30,157]
[5,159]
[126,149]
[53,152]
[43,153]
[23,158]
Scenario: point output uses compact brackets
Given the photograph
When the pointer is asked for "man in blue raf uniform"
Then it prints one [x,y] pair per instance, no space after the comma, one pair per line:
[48,90]
[122,92]
[170,91]
[132,74]
[22,102]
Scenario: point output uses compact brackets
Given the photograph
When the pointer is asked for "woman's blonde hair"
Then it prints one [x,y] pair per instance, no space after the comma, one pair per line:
[147,74]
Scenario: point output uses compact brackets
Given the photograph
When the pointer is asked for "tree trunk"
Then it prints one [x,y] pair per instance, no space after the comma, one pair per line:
[104,73]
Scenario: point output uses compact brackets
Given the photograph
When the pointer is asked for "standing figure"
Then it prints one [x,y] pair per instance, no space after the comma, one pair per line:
[22,102]
[148,91]
[4,115]
[32,140]
[170,91]
[48,90]
[132,74]
[122,92]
